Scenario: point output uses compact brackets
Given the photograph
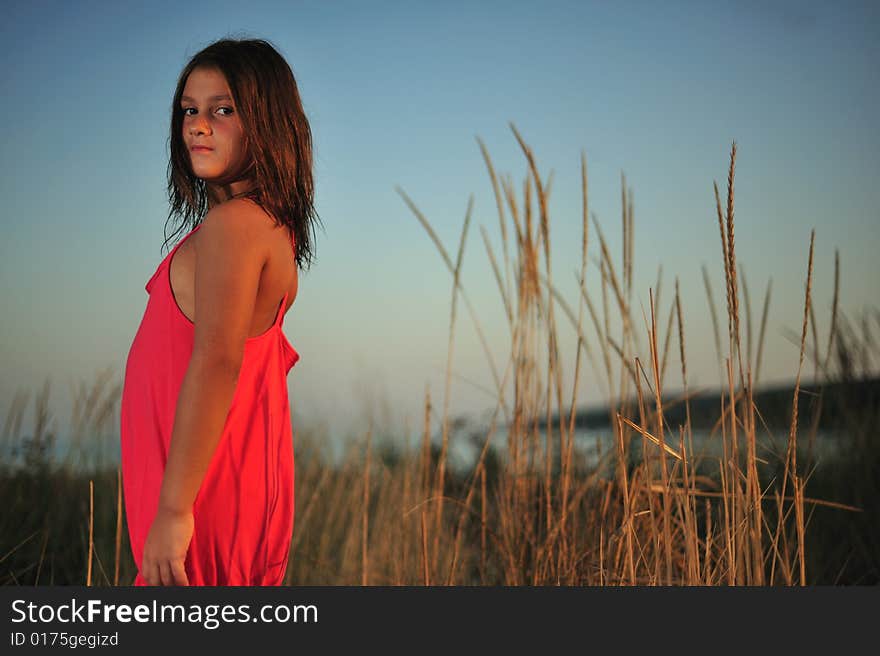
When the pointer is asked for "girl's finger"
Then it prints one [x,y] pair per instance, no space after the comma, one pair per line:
[179,572]
[165,573]
[151,573]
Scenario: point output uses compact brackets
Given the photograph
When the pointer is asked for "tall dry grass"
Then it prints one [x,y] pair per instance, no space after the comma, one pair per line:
[654,511]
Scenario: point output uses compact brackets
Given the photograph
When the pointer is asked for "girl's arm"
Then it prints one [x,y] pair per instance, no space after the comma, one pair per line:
[229,261]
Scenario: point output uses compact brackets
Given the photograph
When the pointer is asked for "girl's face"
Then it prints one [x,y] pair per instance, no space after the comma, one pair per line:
[210,119]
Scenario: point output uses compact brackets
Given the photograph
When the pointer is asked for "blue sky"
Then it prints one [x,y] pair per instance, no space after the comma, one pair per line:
[396,93]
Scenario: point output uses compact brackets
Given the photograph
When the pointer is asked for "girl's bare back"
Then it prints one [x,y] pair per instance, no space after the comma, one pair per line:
[279,275]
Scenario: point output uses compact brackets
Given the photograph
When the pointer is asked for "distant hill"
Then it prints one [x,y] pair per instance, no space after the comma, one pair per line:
[774,403]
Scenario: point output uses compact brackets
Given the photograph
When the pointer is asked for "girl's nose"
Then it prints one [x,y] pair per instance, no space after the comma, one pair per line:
[199,125]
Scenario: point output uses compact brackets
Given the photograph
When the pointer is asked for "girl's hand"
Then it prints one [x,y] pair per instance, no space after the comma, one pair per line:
[166,546]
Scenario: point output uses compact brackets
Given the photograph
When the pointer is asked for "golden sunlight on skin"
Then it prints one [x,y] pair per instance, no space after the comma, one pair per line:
[210,119]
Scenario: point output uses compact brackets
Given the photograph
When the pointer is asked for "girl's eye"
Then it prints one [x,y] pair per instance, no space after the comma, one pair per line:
[229,108]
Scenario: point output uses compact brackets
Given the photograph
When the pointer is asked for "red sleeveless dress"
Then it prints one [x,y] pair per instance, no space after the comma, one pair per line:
[244,509]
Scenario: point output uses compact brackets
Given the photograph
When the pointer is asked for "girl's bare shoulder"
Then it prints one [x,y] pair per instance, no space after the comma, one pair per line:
[245,218]
[242,210]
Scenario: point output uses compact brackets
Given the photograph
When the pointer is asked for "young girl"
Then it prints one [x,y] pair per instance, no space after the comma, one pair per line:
[207,452]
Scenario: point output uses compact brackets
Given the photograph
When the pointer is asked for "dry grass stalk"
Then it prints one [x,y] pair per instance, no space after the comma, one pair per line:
[714,315]
[763,328]
[365,560]
[439,487]
[117,552]
[91,533]
[499,203]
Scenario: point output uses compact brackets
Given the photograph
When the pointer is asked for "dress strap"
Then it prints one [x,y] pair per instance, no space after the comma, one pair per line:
[279,317]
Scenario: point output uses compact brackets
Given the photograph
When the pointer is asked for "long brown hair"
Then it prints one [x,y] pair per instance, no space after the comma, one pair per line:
[278,136]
